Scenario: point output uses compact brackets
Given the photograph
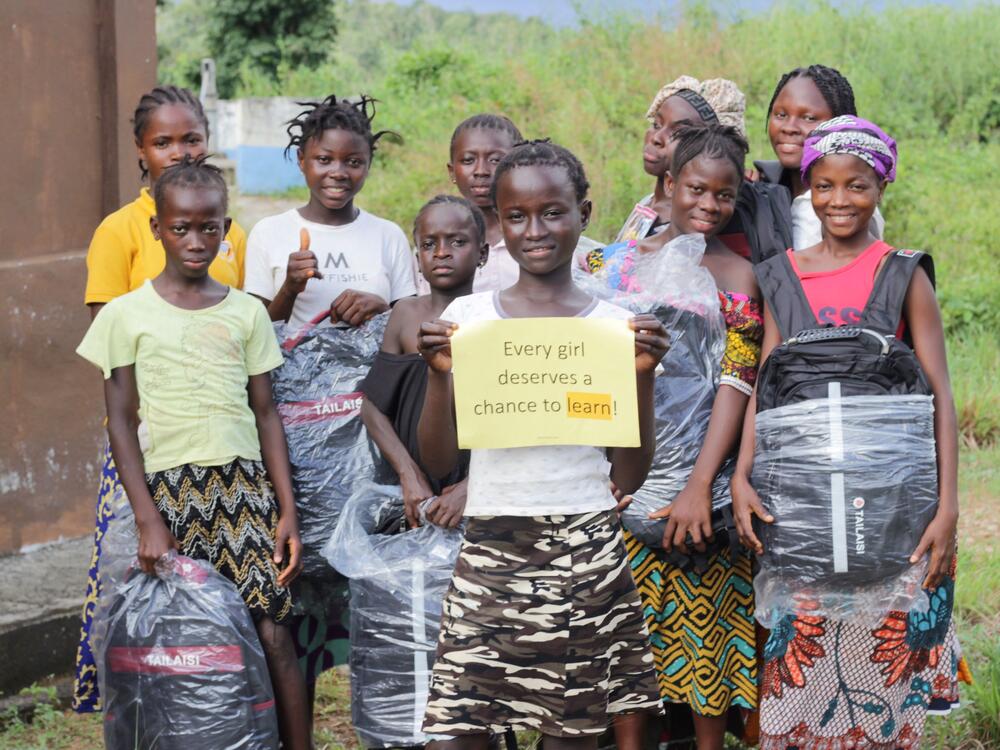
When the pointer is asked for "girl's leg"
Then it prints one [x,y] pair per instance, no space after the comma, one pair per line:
[588,742]
[630,730]
[289,686]
[462,742]
[710,731]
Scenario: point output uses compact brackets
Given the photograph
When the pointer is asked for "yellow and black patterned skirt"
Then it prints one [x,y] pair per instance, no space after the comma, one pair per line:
[541,629]
[701,628]
[227,515]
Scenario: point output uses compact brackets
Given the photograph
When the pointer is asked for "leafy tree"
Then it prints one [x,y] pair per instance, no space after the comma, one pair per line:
[267,36]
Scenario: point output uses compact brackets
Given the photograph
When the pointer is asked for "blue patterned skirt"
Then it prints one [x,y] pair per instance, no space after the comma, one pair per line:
[85,694]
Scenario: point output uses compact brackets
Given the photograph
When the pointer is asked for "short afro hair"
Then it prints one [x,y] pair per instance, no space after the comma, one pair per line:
[453,200]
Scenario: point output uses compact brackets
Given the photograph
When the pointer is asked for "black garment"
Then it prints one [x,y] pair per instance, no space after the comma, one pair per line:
[396,385]
[764,215]
[772,173]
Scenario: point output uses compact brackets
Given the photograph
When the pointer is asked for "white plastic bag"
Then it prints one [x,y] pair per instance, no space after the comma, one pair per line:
[398,582]
[672,284]
[852,485]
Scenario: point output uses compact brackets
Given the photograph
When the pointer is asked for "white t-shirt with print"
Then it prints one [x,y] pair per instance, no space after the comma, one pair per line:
[544,480]
[368,255]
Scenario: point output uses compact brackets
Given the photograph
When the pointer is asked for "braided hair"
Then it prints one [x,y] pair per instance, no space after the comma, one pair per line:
[153,100]
[190,172]
[542,153]
[454,200]
[491,122]
[833,87]
[712,140]
[335,114]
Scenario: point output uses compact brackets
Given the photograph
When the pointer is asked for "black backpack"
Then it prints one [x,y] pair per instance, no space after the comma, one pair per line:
[849,474]
[866,358]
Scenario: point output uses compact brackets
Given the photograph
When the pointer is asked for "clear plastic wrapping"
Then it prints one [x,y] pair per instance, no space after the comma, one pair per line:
[317,394]
[852,484]
[673,285]
[179,661]
[398,583]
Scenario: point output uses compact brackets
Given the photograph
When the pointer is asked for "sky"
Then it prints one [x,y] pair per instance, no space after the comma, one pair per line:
[563,12]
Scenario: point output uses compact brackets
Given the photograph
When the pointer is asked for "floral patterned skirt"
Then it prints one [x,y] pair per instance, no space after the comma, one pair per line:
[831,685]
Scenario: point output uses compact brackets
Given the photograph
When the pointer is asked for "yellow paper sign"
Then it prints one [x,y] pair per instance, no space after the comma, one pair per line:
[545,381]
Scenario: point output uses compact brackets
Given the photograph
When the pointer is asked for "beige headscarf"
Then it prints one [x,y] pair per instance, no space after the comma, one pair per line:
[722,95]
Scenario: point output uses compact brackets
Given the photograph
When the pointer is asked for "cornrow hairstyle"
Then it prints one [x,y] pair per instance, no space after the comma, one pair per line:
[153,100]
[190,172]
[335,114]
[542,153]
[711,140]
[488,121]
[453,200]
[835,89]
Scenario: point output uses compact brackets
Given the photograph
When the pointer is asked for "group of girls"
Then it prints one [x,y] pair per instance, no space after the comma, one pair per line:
[556,621]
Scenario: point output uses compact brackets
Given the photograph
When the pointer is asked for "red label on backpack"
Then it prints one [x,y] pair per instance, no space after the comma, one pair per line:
[333,407]
[177,660]
[907,253]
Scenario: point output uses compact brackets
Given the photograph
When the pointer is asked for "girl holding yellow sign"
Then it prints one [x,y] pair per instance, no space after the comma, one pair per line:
[542,627]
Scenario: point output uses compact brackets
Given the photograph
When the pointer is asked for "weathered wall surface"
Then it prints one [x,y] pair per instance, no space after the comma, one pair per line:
[73,72]
[252,132]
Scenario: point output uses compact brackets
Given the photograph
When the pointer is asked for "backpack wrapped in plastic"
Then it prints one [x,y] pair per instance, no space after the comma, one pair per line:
[845,456]
[179,661]
[672,284]
[317,394]
[398,583]
[852,485]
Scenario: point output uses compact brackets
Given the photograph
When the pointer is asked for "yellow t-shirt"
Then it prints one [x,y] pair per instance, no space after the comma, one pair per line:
[191,370]
[123,253]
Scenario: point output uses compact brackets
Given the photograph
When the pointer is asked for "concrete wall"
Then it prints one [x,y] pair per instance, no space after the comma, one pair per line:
[73,71]
[252,132]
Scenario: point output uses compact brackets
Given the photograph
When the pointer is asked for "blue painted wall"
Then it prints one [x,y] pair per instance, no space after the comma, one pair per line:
[264,169]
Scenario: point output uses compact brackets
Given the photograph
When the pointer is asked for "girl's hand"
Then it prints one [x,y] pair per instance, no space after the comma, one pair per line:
[651,342]
[746,505]
[434,344]
[155,540]
[287,540]
[689,513]
[449,507]
[416,489]
[622,501]
[355,308]
[302,266]
[939,539]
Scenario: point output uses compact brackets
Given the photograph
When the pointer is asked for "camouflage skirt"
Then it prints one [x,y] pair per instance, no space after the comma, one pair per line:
[541,629]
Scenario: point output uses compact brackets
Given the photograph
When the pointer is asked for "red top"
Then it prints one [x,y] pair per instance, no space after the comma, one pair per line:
[838,297]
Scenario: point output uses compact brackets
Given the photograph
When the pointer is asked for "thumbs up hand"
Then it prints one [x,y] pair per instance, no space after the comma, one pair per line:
[302,265]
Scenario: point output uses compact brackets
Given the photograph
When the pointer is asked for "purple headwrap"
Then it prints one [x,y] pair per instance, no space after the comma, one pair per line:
[849,134]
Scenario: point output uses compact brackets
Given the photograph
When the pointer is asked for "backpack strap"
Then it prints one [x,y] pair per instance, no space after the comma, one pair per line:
[884,308]
[785,296]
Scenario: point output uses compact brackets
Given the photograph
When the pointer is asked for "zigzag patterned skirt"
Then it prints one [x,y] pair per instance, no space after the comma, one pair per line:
[541,629]
[227,515]
[701,628]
